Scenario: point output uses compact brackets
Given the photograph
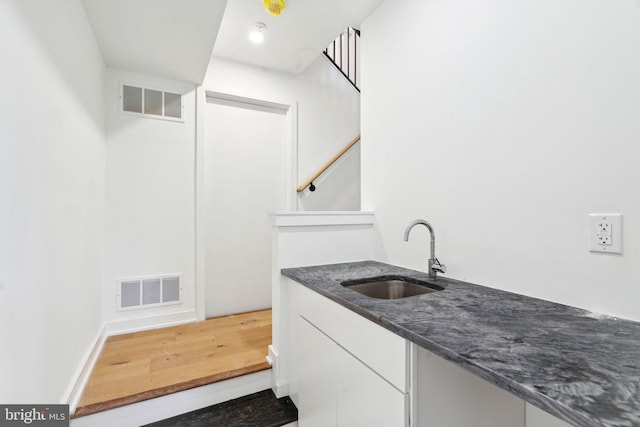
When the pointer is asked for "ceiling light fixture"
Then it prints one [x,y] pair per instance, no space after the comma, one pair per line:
[274,7]
[257,35]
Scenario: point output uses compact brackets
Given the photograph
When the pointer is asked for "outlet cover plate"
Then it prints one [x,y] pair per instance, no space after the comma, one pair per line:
[605,233]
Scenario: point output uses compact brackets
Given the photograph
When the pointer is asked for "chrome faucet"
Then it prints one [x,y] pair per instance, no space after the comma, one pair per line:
[434,265]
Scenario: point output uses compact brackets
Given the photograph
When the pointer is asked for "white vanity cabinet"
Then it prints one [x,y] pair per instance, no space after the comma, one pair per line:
[538,418]
[351,372]
[447,395]
[317,377]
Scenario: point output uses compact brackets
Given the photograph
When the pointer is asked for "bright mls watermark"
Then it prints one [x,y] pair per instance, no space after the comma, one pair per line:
[34,415]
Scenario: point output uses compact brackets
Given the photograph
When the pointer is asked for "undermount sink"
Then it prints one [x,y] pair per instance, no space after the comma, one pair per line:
[391,287]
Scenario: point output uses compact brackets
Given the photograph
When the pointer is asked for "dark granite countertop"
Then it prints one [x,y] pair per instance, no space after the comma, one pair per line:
[580,366]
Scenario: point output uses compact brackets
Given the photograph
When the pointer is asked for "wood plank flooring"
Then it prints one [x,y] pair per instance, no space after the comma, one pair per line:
[143,365]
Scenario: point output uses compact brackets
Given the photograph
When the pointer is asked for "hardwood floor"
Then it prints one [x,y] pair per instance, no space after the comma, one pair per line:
[143,365]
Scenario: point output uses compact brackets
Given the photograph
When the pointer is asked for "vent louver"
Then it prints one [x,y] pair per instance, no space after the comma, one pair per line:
[149,291]
[154,103]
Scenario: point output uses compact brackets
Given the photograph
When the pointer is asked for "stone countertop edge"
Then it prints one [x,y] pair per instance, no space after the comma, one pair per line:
[579,366]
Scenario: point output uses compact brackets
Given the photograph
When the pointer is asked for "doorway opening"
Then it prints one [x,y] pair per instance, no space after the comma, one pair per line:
[247,174]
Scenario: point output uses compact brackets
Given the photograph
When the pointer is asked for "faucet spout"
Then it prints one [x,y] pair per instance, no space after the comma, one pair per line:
[434,265]
[431,233]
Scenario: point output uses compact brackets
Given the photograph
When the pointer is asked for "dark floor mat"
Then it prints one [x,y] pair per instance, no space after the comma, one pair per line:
[260,409]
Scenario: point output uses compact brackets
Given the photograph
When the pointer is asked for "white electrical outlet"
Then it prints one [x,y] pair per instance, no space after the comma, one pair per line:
[605,233]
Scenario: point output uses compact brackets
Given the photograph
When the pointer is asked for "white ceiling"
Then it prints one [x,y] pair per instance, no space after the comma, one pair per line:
[169,38]
[292,40]
[175,38]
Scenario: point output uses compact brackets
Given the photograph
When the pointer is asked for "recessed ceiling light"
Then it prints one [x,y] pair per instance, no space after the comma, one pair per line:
[257,35]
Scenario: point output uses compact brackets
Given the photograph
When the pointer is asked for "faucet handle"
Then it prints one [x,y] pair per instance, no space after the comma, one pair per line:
[440,268]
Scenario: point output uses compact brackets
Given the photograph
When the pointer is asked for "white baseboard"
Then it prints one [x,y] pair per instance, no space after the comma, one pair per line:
[272,355]
[280,389]
[83,371]
[168,406]
[279,385]
[77,384]
[117,327]
[174,404]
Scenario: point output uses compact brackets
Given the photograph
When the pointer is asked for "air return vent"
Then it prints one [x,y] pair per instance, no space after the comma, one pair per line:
[149,291]
[147,102]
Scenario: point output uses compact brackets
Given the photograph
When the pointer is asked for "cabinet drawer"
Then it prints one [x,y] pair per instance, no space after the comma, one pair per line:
[383,351]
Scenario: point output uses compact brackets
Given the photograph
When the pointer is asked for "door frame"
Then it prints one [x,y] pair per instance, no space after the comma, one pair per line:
[290,109]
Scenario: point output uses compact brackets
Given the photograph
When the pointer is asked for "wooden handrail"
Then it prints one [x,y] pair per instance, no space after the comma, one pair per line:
[326,166]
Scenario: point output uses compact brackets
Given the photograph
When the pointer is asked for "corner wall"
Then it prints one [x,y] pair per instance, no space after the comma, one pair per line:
[328,118]
[52,165]
[505,124]
[150,202]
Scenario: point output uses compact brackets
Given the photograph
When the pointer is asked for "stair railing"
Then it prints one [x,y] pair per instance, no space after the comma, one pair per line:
[343,53]
[309,182]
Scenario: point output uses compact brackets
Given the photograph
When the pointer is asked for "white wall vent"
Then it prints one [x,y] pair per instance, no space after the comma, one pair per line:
[149,291]
[154,103]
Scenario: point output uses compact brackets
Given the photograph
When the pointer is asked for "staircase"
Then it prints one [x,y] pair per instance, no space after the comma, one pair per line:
[344,53]
[340,176]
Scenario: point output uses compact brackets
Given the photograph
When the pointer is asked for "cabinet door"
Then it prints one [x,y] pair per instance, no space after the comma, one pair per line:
[538,418]
[380,349]
[447,395]
[364,398]
[316,377]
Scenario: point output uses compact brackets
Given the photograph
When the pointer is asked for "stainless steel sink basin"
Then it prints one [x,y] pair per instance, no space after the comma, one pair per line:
[391,288]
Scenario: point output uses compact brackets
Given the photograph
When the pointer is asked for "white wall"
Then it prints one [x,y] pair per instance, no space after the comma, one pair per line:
[504,124]
[150,177]
[150,204]
[52,197]
[338,188]
[328,118]
[245,179]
